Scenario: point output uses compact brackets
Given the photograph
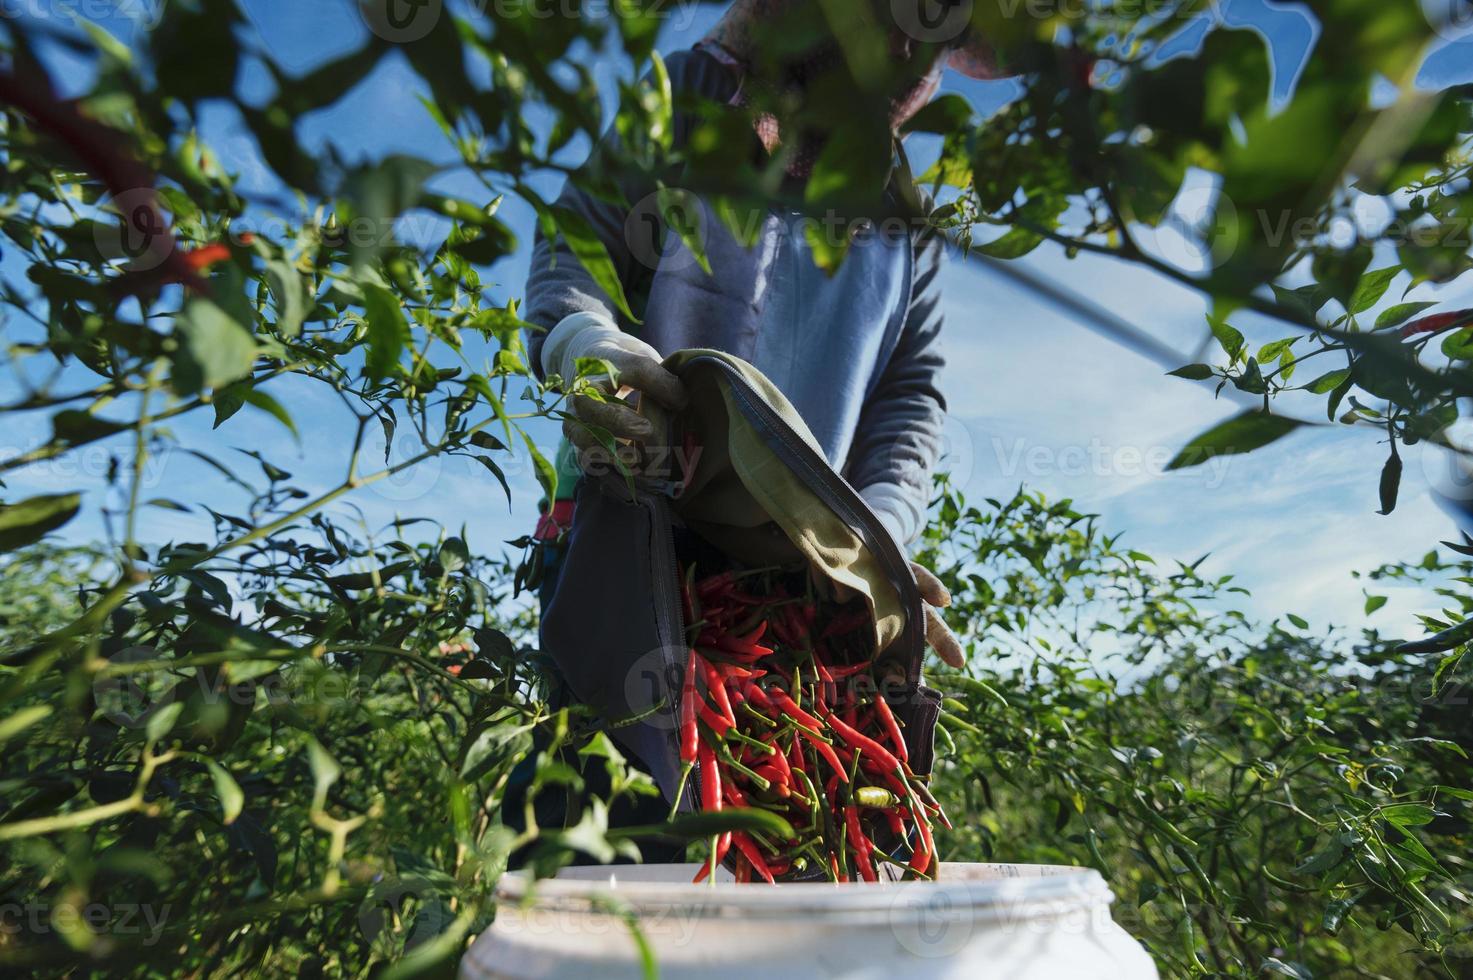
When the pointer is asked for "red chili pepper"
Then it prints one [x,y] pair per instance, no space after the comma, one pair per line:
[206,256]
[778,760]
[738,672]
[743,872]
[896,821]
[782,630]
[864,743]
[920,860]
[860,843]
[758,697]
[715,722]
[887,717]
[716,584]
[710,780]
[1437,322]
[689,739]
[846,622]
[791,709]
[723,845]
[840,672]
[830,756]
[775,776]
[795,756]
[749,850]
[716,684]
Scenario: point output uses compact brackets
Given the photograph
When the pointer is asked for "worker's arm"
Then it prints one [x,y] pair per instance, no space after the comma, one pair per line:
[898,441]
[575,317]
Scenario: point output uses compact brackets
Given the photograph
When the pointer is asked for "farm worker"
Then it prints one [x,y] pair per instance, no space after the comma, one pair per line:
[856,352]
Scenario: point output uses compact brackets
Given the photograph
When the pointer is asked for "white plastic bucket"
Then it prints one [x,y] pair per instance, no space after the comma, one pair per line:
[1021,922]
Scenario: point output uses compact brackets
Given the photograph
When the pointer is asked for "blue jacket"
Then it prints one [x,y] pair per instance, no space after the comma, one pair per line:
[858,354]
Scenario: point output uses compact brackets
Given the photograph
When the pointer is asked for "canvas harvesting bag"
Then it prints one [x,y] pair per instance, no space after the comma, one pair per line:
[758,492]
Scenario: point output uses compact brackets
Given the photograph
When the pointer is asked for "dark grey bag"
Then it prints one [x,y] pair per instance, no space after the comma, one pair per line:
[761,493]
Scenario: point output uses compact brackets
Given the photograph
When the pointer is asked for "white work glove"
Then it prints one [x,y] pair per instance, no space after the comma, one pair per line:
[638,365]
[902,519]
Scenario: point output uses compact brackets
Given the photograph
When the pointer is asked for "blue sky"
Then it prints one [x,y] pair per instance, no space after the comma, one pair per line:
[1035,397]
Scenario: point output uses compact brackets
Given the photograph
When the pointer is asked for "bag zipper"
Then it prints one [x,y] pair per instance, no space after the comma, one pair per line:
[670,622]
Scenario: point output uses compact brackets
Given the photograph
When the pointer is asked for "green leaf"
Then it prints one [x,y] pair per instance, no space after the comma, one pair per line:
[75,427]
[1012,244]
[228,401]
[293,302]
[1322,861]
[498,747]
[546,472]
[325,771]
[681,212]
[1275,349]
[490,464]
[1240,434]
[32,519]
[1458,345]
[1408,814]
[1275,965]
[232,800]
[1306,300]
[695,826]
[1374,602]
[854,163]
[1192,372]
[1336,911]
[388,331]
[1371,287]
[272,407]
[591,254]
[1395,316]
[1446,667]
[161,722]
[944,114]
[23,719]
[1299,621]
[216,348]
[1328,382]
[1228,337]
[454,555]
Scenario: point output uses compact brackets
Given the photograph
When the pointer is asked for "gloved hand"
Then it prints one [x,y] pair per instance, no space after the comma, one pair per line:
[902,518]
[938,634]
[639,370]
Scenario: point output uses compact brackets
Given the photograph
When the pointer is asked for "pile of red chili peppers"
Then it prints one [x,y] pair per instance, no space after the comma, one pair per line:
[781,709]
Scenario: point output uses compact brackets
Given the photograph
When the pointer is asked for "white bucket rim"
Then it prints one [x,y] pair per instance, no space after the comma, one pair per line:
[1026,890]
